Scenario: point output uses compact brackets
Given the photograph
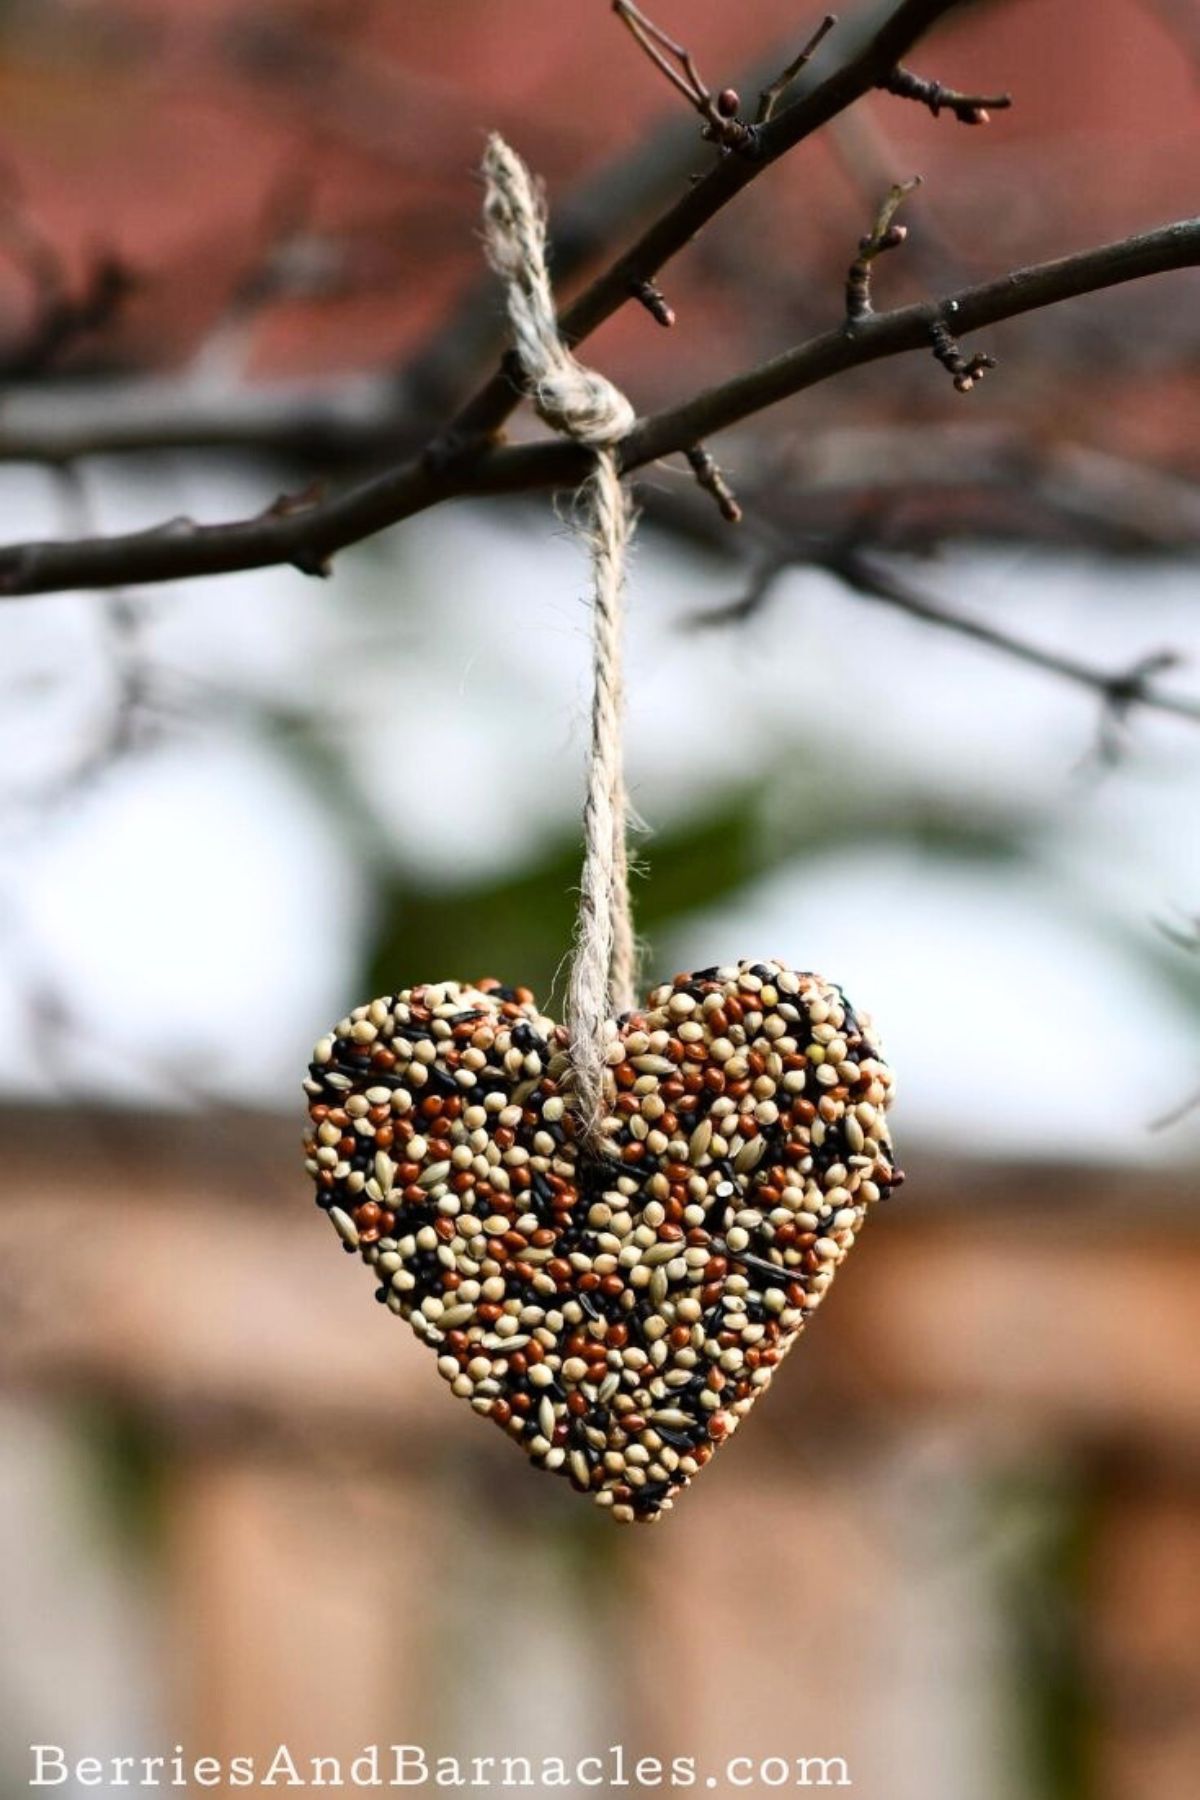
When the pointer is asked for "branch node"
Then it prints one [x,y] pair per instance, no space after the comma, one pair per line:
[709,477]
[722,126]
[654,300]
[883,235]
[442,452]
[968,109]
[966,370]
[1134,686]
[289,506]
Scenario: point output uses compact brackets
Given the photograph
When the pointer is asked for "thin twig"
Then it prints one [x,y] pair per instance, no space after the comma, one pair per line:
[771,95]
[720,113]
[182,548]
[1120,691]
[61,314]
[867,157]
[968,371]
[1124,693]
[968,109]
[661,49]
[908,328]
[903,489]
[589,220]
[883,235]
[721,123]
[62,317]
[905,486]
[651,296]
[710,478]
[871,45]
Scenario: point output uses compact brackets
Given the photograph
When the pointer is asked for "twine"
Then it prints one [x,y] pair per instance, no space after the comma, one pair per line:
[588,408]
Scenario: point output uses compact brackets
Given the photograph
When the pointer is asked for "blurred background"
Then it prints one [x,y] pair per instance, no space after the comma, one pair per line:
[959,1546]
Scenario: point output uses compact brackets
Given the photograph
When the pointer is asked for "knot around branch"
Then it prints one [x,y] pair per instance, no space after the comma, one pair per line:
[577,401]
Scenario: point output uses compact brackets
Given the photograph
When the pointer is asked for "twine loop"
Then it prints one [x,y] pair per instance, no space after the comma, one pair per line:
[579,402]
[586,406]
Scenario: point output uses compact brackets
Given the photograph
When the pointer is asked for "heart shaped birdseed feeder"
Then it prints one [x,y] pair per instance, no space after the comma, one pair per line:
[616,1309]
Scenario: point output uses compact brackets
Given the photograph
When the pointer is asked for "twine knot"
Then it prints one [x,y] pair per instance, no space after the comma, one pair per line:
[584,405]
[579,402]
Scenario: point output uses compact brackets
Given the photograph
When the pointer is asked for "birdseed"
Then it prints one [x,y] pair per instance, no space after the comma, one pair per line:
[617,1310]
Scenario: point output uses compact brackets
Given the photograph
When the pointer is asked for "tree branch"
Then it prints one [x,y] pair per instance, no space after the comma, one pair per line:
[907,489]
[354,418]
[968,109]
[722,124]
[307,534]
[870,47]
[74,421]
[907,328]
[1119,691]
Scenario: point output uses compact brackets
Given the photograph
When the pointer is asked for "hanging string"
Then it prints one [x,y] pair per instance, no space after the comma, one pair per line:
[587,407]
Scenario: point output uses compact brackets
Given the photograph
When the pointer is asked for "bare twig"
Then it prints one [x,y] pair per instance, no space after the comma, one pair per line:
[655,302]
[968,109]
[1124,693]
[352,419]
[883,235]
[968,371]
[310,537]
[867,157]
[664,53]
[70,317]
[903,489]
[906,487]
[771,95]
[61,315]
[871,45]
[721,123]
[710,478]
[588,221]
[1120,691]
[908,328]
